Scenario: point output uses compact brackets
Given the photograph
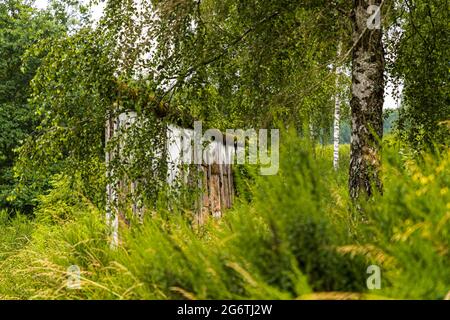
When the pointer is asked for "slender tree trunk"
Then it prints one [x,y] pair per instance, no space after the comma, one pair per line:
[367,103]
[112,214]
[337,116]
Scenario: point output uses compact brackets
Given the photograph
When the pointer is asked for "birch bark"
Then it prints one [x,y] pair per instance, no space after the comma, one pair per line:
[337,115]
[366,103]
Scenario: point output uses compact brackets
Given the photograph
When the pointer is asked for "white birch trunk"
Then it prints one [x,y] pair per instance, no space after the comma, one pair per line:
[337,116]
[112,217]
[366,104]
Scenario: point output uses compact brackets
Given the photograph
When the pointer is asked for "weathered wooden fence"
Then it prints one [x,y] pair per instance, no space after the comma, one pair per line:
[214,171]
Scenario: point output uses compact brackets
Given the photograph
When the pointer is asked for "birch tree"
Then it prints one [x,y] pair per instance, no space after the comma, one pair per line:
[367,99]
[337,114]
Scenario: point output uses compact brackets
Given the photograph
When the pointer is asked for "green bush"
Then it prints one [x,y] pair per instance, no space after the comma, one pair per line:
[410,223]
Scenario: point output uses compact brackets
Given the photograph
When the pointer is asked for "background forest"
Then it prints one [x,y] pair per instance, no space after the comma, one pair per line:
[358,185]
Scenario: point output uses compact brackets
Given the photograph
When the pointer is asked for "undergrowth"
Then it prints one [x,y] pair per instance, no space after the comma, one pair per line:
[294,235]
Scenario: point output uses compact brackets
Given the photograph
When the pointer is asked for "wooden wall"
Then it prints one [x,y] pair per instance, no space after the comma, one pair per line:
[214,178]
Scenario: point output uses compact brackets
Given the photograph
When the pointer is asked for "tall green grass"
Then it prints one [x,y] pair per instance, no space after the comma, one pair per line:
[295,236]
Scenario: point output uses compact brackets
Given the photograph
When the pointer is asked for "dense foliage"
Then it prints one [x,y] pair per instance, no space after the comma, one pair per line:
[21,27]
[422,64]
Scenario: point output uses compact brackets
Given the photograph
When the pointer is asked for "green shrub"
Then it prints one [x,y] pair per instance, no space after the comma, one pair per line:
[410,223]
